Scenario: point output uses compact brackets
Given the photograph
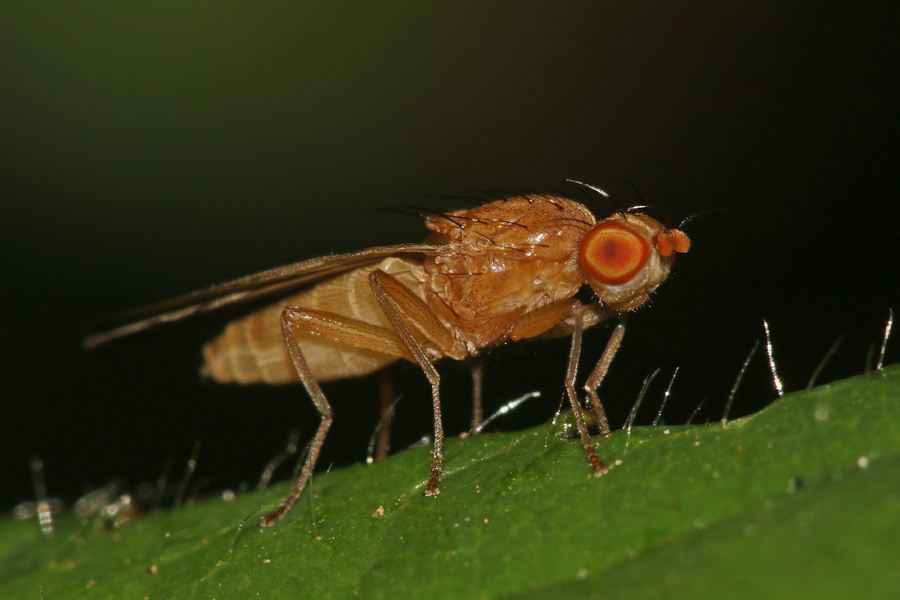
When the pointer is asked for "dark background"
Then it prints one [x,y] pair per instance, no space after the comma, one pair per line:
[149,151]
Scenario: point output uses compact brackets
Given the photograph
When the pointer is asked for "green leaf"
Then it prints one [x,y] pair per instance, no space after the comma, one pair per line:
[801,500]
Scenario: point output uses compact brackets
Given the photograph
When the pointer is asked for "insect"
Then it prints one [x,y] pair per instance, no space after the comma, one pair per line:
[504,271]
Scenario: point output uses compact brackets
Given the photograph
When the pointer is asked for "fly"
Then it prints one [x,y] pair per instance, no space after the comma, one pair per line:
[505,271]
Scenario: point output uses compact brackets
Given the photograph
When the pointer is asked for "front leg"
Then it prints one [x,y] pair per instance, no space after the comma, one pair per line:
[571,376]
[588,316]
[599,373]
[551,320]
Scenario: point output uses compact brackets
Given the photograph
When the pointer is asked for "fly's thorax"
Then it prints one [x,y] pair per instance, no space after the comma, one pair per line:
[505,259]
[520,222]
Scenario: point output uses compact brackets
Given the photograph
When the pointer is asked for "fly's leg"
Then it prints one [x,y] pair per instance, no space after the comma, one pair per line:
[386,412]
[542,320]
[399,304]
[318,398]
[599,372]
[477,365]
[571,375]
[339,328]
[548,318]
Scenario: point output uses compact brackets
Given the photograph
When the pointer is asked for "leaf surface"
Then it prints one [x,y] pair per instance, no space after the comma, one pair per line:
[800,500]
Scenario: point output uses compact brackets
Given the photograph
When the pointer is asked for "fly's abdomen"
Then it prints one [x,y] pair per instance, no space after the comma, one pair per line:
[253,350]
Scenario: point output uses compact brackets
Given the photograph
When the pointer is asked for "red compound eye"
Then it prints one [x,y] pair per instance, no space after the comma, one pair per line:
[611,253]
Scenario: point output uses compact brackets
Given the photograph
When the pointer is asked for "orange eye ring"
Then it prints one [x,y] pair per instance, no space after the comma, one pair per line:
[613,254]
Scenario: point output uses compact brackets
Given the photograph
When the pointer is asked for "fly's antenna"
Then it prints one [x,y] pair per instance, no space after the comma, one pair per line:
[693,216]
[687,220]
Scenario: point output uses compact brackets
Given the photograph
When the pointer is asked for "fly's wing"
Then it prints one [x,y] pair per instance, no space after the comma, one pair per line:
[280,280]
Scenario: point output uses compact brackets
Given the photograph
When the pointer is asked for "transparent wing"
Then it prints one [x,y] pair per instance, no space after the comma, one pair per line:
[280,280]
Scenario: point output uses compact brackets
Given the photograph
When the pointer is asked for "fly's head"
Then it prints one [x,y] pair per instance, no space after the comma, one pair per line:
[626,256]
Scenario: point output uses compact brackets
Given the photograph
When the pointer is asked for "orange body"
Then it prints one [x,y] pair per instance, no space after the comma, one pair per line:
[504,271]
[494,264]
